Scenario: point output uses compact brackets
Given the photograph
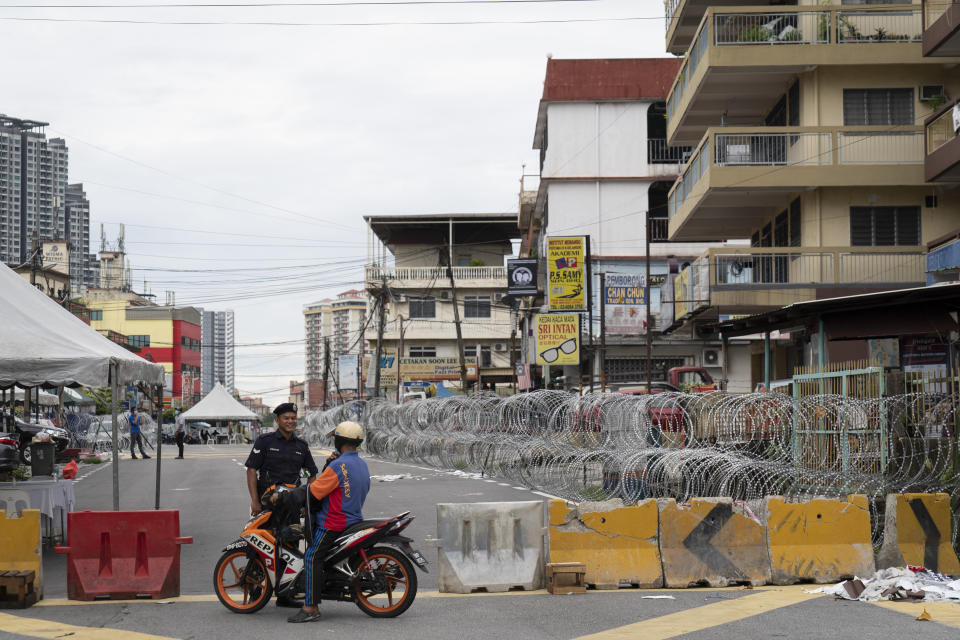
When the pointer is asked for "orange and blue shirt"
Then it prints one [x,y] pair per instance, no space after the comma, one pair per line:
[341,488]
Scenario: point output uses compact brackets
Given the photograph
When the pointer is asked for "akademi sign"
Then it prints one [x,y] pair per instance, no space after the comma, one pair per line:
[56,256]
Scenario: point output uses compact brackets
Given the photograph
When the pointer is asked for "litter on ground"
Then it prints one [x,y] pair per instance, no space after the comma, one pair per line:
[910,584]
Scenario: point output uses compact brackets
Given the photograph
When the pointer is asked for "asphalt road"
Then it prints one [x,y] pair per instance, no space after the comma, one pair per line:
[208,488]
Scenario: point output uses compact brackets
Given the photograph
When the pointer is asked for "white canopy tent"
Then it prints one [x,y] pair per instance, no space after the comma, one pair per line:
[44,344]
[46,399]
[219,405]
[41,343]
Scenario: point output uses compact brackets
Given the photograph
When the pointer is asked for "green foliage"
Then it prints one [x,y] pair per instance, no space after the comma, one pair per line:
[793,36]
[93,460]
[102,398]
[21,473]
[477,262]
[169,415]
[936,102]
[756,33]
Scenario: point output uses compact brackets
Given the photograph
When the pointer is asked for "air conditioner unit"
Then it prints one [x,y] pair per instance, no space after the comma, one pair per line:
[497,297]
[401,298]
[930,91]
[712,358]
[499,346]
[444,295]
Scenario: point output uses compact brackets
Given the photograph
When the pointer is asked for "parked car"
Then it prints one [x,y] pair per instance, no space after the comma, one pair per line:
[25,432]
[9,452]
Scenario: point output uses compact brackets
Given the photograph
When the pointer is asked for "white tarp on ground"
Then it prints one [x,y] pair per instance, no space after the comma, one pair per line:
[41,343]
[219,405]
[897,583]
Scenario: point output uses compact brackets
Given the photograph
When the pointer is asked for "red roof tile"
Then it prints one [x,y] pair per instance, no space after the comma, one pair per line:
[610,79]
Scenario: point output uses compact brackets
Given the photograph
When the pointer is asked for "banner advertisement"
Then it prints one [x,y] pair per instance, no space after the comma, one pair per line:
[682,294]
[56,256]
[388,369]
[433,369]
[625,300]
[347,371]
[522,277]
[558,339]
[566,273]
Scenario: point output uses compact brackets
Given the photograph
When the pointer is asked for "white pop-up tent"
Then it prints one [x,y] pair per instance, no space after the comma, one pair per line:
[218,405]
[41,343]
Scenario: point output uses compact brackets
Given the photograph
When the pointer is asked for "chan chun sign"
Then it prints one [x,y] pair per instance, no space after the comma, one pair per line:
[566,273]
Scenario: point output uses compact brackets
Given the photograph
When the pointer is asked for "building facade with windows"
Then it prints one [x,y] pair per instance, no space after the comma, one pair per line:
[171,336]
[407,271]
[339,323]
[605,168]
[33,187]
[76,231]
[810,130]
[219,360]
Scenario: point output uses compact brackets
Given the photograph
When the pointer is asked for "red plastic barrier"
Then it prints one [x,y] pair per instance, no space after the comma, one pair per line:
[123,554]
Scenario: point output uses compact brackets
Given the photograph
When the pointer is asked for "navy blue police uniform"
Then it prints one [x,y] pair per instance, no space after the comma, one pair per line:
[279,461]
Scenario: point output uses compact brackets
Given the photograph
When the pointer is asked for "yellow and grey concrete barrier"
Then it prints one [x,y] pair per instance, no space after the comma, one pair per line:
[916,531]
[20,545]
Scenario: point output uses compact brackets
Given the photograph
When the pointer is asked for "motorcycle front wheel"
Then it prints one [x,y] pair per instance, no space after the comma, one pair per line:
[389,583]
[241,582]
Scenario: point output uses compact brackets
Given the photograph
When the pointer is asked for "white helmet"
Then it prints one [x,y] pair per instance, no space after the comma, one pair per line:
[349,431]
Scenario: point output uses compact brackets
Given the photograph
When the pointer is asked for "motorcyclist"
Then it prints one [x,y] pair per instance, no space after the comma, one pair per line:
[335,500]
[277,458]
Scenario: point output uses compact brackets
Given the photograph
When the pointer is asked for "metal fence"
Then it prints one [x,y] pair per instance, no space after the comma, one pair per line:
[659,152]
[795,27]
[774,149]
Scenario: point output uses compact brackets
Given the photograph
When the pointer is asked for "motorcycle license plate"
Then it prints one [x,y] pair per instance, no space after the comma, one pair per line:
[419,559]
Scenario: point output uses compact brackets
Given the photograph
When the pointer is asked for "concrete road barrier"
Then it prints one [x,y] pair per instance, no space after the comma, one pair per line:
[490,546]
[916,531]
[819,540]
[711,542]
[20,545]
[618,544]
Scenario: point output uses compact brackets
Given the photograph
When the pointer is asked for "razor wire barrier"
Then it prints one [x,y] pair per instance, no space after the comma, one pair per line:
[601,446]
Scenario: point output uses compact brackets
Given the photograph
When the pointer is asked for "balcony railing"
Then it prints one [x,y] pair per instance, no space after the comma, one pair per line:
[835,25]
[375,273]
[658,152]
[932,10]
[797,146]
[659,229]
[715,275]
[941,130]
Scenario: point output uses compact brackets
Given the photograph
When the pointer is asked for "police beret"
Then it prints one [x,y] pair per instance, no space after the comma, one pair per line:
[286,407]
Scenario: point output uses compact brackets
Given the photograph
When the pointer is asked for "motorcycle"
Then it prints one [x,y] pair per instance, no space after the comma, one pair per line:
[370,564]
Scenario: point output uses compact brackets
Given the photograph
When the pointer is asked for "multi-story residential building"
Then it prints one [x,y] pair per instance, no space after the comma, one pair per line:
[76,231]
[33,185]
[605,167]
[407,271]
[170,336]
[338,322]
[218,361]
[807,127]
[941,38]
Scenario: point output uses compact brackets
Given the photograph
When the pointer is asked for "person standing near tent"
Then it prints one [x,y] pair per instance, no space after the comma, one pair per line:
[180,434]
[136,439]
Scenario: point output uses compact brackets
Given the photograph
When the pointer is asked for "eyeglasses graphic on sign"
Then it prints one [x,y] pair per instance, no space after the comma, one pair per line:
[552,354]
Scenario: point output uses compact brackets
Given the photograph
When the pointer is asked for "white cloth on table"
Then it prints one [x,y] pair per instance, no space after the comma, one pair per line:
[54,498]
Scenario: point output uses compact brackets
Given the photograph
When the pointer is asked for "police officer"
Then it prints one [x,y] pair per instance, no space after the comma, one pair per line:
[278,457]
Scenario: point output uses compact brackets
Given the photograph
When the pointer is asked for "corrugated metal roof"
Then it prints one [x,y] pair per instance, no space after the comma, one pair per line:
[610,79]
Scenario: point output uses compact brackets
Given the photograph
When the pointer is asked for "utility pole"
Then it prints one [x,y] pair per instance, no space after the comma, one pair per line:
[649,316]
[399,358]
[603,332]
[326,369]
[456,320]
[35,259]
[592,353]
[380,327]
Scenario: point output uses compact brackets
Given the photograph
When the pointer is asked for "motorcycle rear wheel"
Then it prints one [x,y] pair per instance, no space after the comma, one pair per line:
[392,566]
[241,582]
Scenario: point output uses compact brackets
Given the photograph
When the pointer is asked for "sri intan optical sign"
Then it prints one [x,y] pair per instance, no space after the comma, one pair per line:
[558,339]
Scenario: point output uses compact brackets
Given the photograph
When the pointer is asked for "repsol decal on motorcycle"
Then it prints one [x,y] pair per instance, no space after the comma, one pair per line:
[239,544]
[260,544]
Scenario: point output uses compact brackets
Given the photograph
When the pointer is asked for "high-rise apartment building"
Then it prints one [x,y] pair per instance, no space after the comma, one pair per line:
[33,186]
[218,358]
[76,231]
[340,321]
[807,123]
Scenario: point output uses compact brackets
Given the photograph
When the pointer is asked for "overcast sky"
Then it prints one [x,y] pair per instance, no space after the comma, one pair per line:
[285,136]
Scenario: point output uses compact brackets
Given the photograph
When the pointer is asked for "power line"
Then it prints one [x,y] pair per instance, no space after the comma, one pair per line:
[439,23]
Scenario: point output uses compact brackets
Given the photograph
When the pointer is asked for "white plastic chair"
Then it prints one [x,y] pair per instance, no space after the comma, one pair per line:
[14,501]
